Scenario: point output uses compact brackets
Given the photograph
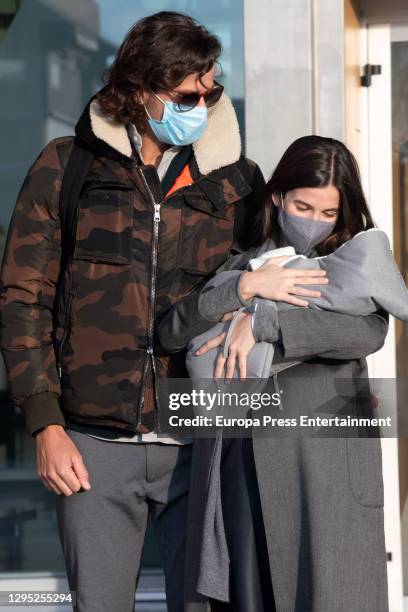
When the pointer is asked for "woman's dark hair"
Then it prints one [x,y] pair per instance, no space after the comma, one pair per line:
[159,51]
[315,161]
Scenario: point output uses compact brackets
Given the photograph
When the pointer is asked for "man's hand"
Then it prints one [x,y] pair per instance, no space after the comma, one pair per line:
[59,462]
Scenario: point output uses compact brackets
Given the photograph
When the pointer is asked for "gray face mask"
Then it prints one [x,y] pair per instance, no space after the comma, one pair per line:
[302,233]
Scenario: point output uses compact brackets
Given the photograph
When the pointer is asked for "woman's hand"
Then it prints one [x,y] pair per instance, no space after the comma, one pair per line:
[217,340]
[241,342]
[281,284]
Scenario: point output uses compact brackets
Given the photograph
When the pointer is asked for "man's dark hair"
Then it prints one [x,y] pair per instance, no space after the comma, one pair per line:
[159,51]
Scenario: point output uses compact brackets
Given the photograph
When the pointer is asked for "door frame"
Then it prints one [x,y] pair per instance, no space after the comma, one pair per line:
[377,177]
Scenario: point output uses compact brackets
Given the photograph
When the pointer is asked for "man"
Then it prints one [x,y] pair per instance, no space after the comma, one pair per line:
[164,202]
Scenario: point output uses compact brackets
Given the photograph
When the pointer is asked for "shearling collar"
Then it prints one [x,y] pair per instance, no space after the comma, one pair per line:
[219,146]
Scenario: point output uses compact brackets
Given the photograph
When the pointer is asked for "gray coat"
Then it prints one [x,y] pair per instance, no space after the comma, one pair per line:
[322,499]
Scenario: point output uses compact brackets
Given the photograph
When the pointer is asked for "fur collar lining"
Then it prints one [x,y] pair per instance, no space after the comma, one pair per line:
[219,146]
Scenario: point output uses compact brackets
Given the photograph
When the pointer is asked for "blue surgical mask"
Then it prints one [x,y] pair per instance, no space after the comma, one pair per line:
[179,128]
[302,233]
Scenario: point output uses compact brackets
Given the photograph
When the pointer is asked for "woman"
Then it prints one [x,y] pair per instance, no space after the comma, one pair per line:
[320,499]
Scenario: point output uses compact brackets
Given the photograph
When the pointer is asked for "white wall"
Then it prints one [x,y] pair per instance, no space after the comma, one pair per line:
[294,76]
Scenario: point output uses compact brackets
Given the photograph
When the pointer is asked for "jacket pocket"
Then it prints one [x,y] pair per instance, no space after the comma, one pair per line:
[364,459]
[105,222]
[207,221]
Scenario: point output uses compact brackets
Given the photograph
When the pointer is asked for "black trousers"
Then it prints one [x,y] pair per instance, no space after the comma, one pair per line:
[251,586]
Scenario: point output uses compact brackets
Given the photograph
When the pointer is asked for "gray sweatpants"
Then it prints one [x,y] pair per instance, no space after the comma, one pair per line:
[102,530]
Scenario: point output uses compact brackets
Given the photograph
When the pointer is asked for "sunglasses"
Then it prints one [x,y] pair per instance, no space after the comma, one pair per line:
[186,102]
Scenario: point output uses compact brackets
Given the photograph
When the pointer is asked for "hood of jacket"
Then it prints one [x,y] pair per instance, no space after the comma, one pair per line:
[219,146]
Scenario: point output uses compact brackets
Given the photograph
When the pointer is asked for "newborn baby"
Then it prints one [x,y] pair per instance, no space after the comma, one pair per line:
[363,278]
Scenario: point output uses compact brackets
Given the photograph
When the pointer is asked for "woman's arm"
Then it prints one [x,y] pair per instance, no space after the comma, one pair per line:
[302,334]
[225,291]
[307,332]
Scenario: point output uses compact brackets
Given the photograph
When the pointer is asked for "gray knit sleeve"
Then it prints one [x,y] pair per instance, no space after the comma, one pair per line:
[220,295]
[265,322]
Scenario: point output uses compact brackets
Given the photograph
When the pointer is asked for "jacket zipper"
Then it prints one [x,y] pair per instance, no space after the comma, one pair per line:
[152,298]
[66,332]
[152,295]
[155,240]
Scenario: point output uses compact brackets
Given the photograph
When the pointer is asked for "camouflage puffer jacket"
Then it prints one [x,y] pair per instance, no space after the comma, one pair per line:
[83,345]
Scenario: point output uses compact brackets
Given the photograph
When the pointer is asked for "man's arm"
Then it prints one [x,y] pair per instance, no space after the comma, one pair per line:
[305,333]
[198,311]
[28,277]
